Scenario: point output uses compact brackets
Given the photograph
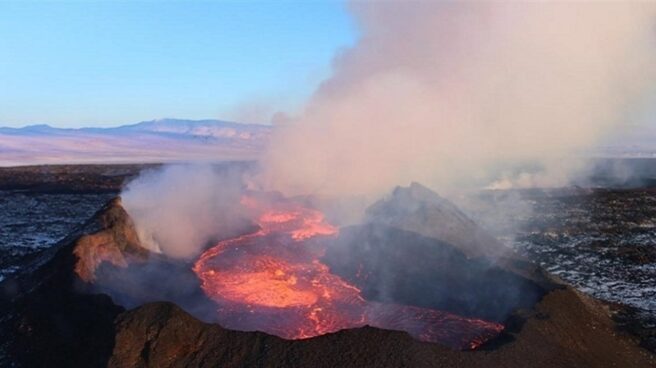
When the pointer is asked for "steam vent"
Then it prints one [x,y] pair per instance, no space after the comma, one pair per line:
[415,284]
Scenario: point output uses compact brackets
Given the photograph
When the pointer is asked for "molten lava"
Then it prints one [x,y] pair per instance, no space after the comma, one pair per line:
[272,280]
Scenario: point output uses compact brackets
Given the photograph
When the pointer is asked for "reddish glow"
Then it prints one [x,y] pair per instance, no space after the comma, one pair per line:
[272,280]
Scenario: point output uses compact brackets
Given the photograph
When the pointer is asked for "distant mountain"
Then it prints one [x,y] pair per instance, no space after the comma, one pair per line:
[167,140]
[193,128]
[161,140]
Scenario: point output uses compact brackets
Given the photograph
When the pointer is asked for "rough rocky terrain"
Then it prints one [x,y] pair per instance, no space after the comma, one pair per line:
[55,318]
[31,222]
[69,178]
[566,329]
[602,241]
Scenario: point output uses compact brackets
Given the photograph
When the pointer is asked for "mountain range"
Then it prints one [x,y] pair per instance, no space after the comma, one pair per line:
[174,140]
[161,140]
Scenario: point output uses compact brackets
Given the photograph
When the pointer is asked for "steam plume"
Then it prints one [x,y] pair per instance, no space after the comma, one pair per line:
[447,93]
[178,209]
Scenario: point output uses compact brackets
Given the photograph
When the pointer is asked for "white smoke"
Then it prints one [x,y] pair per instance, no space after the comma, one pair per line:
[178,209]
[447,93]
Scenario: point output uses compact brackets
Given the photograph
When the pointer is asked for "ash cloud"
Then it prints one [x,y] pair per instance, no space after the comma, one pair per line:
[456,94]
[179,209]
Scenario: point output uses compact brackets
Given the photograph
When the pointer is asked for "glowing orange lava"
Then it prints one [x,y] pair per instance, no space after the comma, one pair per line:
[272,280]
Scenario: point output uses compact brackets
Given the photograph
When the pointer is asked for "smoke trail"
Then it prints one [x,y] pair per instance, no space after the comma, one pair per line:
[447,93]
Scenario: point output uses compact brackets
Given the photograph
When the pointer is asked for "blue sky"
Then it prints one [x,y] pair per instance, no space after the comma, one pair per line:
[91,63]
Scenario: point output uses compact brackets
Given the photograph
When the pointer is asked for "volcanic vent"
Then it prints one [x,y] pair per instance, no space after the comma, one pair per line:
[297,276]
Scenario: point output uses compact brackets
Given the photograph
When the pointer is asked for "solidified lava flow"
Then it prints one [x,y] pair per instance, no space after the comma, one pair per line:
[272,280]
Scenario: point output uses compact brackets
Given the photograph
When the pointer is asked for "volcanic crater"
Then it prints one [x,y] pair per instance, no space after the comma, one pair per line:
[416,284]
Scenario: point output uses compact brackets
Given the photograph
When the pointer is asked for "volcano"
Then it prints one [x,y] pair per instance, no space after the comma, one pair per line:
[291,289]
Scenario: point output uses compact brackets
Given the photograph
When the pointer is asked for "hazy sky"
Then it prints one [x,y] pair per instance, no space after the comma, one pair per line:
[88,63]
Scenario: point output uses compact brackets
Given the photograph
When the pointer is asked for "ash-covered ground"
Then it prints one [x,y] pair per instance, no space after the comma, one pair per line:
[603,241]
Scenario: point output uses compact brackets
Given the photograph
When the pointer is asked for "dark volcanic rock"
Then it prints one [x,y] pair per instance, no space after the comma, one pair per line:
[566,329]
[391,265]
[69,178]
[600,240]
[51,317]
[420,210]
[54,318]
[417,208]
[116,243]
